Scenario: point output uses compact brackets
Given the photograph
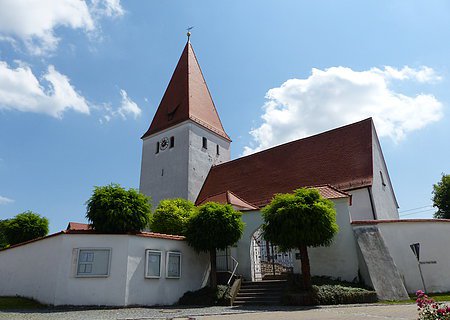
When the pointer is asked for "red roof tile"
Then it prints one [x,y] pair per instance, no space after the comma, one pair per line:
[341,157]
[187,98]
[78,226]
[229,197]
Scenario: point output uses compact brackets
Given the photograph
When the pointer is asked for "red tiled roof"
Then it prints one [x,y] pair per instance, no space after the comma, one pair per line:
[340,157]
[330,192]
[78,226]
[229,197]
[80,230]
[187,97]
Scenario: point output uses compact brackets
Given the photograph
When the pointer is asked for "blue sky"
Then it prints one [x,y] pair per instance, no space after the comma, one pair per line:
[80,82]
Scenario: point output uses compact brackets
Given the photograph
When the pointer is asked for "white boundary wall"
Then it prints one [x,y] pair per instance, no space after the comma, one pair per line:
[434,238]
[45,270]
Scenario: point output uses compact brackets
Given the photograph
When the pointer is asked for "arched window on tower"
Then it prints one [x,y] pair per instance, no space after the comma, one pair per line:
[217,150]
[204,143]
[172,142]
[157,147]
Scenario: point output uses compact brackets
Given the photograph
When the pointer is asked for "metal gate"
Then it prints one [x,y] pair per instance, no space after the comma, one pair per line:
[267,259]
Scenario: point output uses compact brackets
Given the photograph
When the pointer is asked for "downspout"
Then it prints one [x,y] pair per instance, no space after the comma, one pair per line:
[374,213]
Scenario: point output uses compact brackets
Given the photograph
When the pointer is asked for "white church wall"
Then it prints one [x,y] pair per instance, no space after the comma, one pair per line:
[31,270]
[253,221]
[382,190]
[201,159]
[165,174]
[46,271]
[340,259]
[434,237]
[361,208]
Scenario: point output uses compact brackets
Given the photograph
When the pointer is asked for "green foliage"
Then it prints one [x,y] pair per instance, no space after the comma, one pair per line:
[301,218]
[214,226]
[24,227]
[112,209]
[3,240]
[441,197]
[337,294]
[206,297]
[172,215]
[19,303]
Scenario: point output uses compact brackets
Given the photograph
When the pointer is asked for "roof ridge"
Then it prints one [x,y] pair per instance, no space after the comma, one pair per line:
[292,142]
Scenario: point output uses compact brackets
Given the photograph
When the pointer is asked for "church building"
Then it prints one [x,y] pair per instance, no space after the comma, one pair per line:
[186,153]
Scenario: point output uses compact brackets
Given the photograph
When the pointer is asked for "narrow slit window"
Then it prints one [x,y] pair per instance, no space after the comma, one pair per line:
[382,179]
[217,150]
[172,142]
[157,147]
[205,143]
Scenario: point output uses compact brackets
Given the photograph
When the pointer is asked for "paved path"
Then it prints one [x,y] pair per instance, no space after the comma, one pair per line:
[367,312]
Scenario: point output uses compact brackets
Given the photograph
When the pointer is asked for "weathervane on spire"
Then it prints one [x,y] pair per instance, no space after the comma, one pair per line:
[189,32]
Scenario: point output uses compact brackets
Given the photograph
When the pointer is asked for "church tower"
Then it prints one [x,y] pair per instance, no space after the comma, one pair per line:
[185,138]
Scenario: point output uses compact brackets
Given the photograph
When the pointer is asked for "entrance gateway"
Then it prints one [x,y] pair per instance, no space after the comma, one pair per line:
[267,260]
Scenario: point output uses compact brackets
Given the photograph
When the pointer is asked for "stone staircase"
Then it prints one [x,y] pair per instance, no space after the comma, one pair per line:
[266,292]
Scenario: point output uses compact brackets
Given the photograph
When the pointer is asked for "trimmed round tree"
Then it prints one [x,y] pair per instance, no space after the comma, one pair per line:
[215,226]
[298,221]
[24,227]
[112,209]
[172,215]
[441,197]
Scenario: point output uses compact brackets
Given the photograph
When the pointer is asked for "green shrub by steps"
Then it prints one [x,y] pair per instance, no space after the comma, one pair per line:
[337,294]
[206,297]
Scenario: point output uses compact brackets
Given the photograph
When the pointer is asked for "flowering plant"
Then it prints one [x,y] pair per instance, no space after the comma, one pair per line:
[429,309]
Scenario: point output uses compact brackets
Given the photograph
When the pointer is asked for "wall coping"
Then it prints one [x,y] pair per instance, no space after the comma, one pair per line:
[369,222]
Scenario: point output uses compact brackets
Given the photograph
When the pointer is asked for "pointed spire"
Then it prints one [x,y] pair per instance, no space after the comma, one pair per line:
[187,97]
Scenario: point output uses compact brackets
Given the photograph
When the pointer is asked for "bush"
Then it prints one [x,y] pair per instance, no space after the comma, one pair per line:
[337,294]
[112,209]
[24,227]
[327,291]
[206,296]
[172,215]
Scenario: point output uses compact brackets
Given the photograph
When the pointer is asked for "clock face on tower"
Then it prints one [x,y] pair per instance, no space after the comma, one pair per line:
[164,143]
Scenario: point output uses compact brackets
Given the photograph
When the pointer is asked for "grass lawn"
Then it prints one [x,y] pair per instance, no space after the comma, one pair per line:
[9,303]
[439,297]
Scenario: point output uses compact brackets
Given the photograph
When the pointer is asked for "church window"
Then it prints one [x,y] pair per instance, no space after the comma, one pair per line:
[172,142]
[205,143]
[217,150]
[93,262]
[157,147]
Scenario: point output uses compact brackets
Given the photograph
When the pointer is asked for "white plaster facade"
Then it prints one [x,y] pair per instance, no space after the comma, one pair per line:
[339,260]
[180,171]
[45,270]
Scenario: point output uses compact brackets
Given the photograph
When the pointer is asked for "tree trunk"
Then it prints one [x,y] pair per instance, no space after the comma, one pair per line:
[306,270]
[213,274]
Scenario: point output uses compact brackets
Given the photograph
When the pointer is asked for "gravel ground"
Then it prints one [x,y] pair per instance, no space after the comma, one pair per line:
[122,314]
[391,312]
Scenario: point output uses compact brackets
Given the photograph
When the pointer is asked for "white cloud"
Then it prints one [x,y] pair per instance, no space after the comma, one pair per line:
[127,108]
[21,90]
[5,200]
[34,22]
[337,96]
